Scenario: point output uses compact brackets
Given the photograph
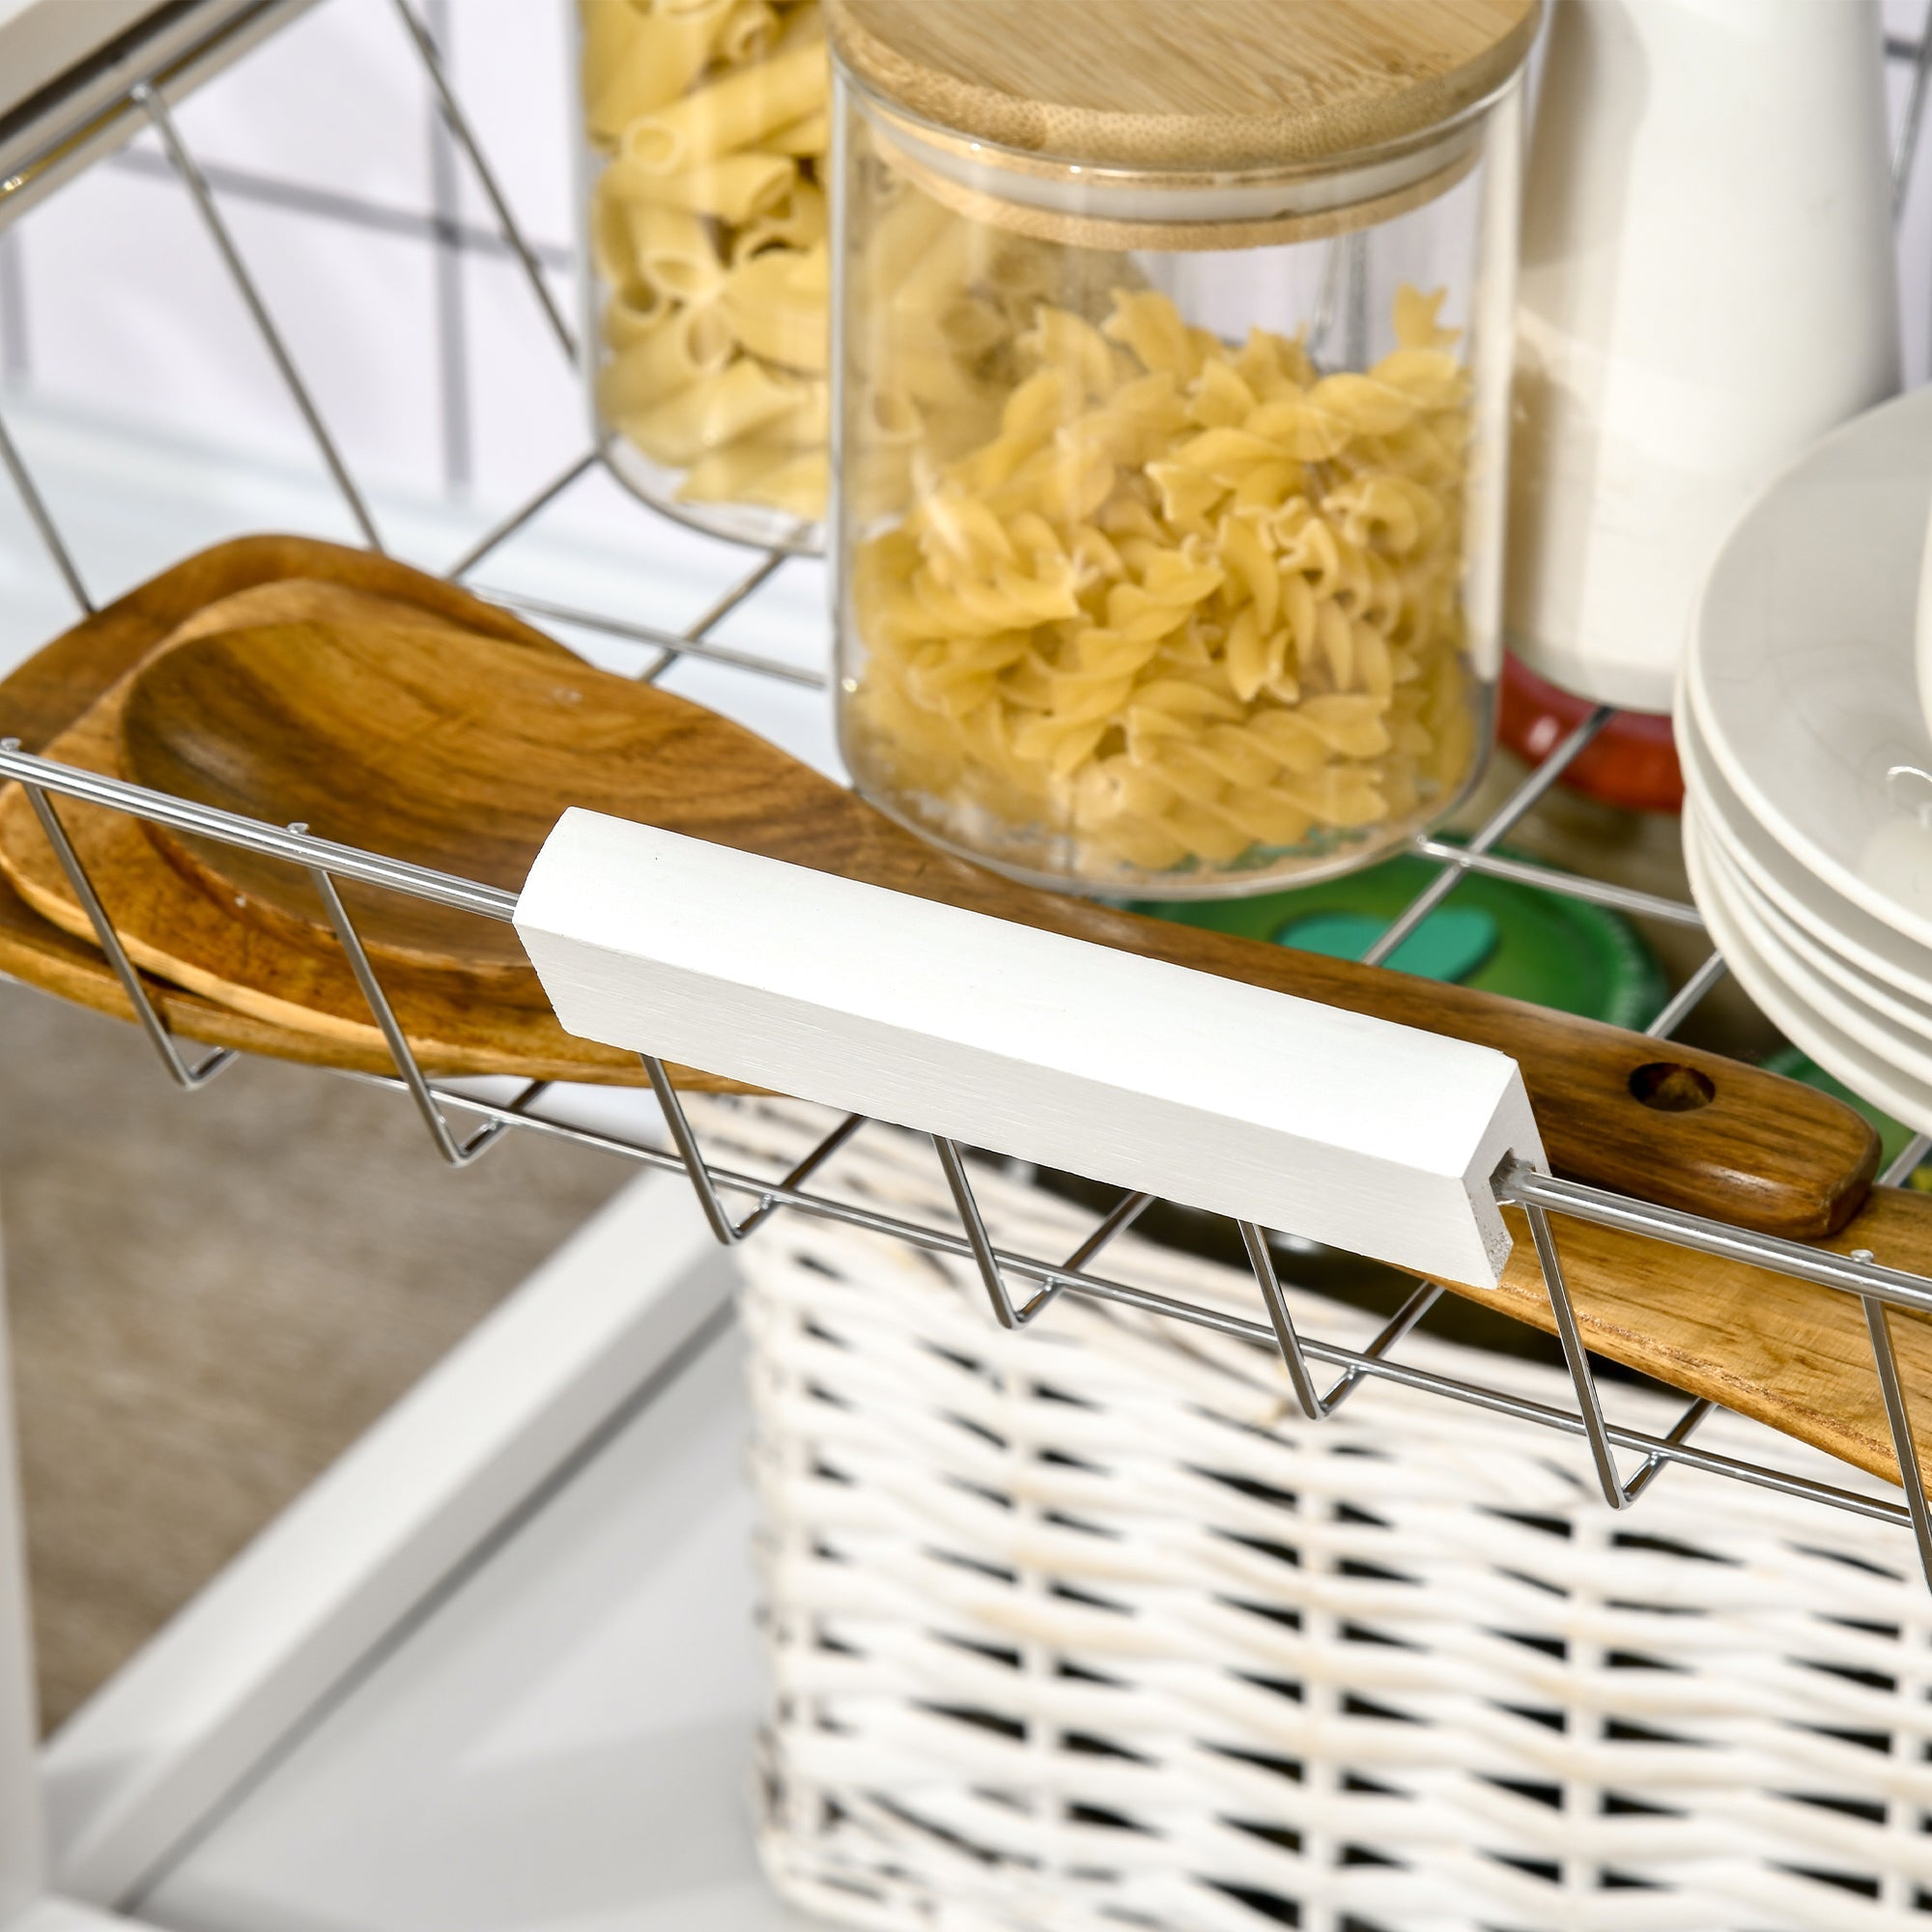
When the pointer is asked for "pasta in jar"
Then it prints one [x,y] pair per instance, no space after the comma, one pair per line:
[1167,551]
[1188,605]
[708,238]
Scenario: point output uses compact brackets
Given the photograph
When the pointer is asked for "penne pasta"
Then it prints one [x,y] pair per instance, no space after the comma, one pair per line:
[803,24]
[632,313]
[730,474]
[663,54]
[609,28]
[728,114]
[718,409]
[802,222]
[708,231]
[810,140]
[889,420]
[673,251]
[749,32]
[687,346]
[611,254]
[776,306]
[737,190]
[807,425]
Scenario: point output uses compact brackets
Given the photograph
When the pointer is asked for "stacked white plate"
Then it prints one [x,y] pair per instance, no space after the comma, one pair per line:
[1807,767]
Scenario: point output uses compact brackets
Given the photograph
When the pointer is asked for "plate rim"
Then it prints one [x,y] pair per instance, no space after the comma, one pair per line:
[1813,1034]
[1846,981]
[1693,681]
[1861,1025]
[1716,800]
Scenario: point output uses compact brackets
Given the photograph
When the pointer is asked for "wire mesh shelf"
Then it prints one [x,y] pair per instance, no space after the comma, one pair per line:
[103,106]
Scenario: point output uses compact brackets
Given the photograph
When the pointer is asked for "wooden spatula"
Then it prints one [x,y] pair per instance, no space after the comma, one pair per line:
[1790,1354]
[460,754]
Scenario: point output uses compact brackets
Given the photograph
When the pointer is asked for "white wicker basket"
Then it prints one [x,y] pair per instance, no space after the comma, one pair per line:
[1084,1627]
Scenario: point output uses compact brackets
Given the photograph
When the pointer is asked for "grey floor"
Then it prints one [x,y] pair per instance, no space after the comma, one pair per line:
[213,1294]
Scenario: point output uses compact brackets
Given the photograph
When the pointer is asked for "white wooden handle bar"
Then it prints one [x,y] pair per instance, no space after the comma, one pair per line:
[1355,1131]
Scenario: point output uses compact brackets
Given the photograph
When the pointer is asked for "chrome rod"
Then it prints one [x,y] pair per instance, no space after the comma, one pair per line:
[1425,1297]
[1685,1001]
[1576,1358]
[1679,1432]
[187,1078]
[486,177]
[1528,1188]
[500,534]
[42,518]
[980,1243]
[940,1241]
[676,642]
[684,1137]
[1281,1321]
[1906,148]
[1125,1213]
[803,1172]
[1905,1165]
[252,834]
[458,1153]
[1898,1420]
[1520,805]
[708,621]
[149,99]
[1572,885]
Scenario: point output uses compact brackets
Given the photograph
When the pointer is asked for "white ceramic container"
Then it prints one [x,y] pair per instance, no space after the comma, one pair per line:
[1706,285]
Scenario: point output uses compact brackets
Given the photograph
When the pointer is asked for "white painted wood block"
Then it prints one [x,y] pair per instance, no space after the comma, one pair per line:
[1373,1137]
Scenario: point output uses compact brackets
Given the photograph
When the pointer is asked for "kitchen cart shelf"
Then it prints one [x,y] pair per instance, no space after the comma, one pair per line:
[92,115]
[538,1490]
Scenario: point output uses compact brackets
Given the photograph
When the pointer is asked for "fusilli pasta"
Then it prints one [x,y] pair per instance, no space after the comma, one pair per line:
[1185,603]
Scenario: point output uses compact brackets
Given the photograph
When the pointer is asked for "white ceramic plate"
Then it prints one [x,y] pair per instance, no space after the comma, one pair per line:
[1800,671]
[1862,989]
[1828,917]
[1897,1045]
[1863,1071]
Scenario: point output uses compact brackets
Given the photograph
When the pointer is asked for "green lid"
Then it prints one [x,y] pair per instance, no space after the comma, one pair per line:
[1493,934]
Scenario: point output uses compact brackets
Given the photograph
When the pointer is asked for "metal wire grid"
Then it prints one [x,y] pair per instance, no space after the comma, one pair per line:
[1020,1288]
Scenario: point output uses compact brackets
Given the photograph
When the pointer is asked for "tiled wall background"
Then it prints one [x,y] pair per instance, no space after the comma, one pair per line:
[369,238]
[378,255]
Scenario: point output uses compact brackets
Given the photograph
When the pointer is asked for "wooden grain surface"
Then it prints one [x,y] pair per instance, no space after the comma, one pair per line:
[1765,1152]
[1779,1350]
[303,703]
[55,688]
[1786,1353]
[1248,84]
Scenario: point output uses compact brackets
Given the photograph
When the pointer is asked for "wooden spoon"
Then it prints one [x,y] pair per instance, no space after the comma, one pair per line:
[296,1002]
[461,753]
[1790,1354]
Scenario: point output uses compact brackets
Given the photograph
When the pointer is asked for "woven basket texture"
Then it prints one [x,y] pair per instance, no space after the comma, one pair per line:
[1087,1628]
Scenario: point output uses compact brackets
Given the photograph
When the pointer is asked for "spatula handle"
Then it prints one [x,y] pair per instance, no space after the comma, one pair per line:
[1651,1117]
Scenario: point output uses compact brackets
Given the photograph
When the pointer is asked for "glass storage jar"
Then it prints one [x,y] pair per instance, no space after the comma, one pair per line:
[705,334]
[1171,401]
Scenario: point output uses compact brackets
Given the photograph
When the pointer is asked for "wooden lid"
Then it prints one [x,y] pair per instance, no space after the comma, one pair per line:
[1209,84]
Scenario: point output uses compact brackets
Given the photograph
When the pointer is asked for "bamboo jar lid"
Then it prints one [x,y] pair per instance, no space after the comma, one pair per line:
[1184,85]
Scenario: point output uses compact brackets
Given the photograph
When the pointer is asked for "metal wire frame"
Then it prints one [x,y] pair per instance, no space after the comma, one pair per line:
[1540,1196]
